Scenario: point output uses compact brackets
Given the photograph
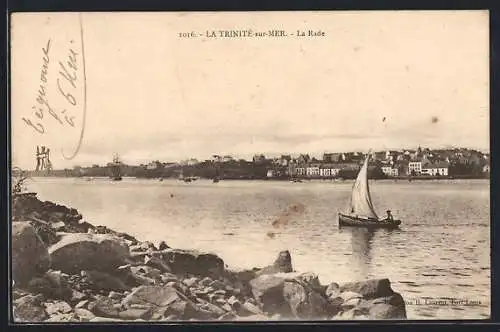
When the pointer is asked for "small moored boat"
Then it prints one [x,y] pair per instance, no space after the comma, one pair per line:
[362,213]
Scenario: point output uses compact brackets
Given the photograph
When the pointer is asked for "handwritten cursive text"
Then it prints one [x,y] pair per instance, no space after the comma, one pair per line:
[42,91]
[43,106]
[61,91]
[68,74]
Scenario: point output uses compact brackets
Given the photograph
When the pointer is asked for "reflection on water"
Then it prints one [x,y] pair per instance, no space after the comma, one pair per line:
[361,242]
[442,249]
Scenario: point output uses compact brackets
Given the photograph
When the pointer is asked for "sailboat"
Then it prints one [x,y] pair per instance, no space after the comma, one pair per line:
[361,212]
[116,169]
[217,176]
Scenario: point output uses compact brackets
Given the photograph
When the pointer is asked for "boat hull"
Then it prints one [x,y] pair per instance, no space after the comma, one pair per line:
[346,220]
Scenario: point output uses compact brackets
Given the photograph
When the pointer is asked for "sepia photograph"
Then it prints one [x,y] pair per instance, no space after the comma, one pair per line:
[249,166]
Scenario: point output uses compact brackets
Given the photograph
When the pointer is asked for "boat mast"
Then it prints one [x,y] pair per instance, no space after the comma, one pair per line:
[115,168]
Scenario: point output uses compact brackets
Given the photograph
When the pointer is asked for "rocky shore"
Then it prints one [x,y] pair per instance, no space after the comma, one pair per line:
[66,270]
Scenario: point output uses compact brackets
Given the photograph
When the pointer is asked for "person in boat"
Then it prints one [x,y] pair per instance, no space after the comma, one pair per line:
[389,216]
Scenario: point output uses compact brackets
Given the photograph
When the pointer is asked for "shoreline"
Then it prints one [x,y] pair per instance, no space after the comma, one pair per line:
[302,180]
[66,269]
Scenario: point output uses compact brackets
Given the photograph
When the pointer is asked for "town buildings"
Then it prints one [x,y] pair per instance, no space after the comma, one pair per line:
[421,162]
[416,163]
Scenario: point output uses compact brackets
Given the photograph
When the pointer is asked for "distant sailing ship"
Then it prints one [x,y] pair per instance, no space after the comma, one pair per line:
[116,169]
[361,212]
[217,176]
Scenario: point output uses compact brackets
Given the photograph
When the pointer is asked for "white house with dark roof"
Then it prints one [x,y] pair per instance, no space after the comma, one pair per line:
[414,167]
[312,170]
[389,170]
[300,171]
[328,170]
[433,169]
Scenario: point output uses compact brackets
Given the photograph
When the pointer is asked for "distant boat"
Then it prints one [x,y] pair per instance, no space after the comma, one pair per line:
[116,174]
[361,212]
[217,176]
[187,178]
[181,176]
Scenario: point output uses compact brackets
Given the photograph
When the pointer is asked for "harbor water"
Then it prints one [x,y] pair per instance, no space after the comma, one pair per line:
[439,260]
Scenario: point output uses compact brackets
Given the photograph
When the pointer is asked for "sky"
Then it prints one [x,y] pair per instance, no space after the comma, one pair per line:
[376,80]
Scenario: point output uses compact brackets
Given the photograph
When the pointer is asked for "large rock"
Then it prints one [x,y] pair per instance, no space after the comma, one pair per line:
[292,295]
[29,308]
[369,289]
[373,299]
[268,291]
[240,280]
[79,251]
[29,254]
[305,299]
[152,295]
[390,307]
[193,262]
[282,264]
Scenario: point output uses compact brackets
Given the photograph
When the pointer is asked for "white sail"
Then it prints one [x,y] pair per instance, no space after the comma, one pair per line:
[361,202]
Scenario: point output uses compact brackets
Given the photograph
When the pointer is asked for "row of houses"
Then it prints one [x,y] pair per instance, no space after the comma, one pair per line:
[321,169]
[326,170]
[422,161]
[428,168]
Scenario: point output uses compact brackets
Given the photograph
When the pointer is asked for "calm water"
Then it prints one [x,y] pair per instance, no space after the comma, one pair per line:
[441,251]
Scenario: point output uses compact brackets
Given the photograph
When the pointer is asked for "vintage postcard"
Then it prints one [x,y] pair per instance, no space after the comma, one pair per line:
[189,166]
